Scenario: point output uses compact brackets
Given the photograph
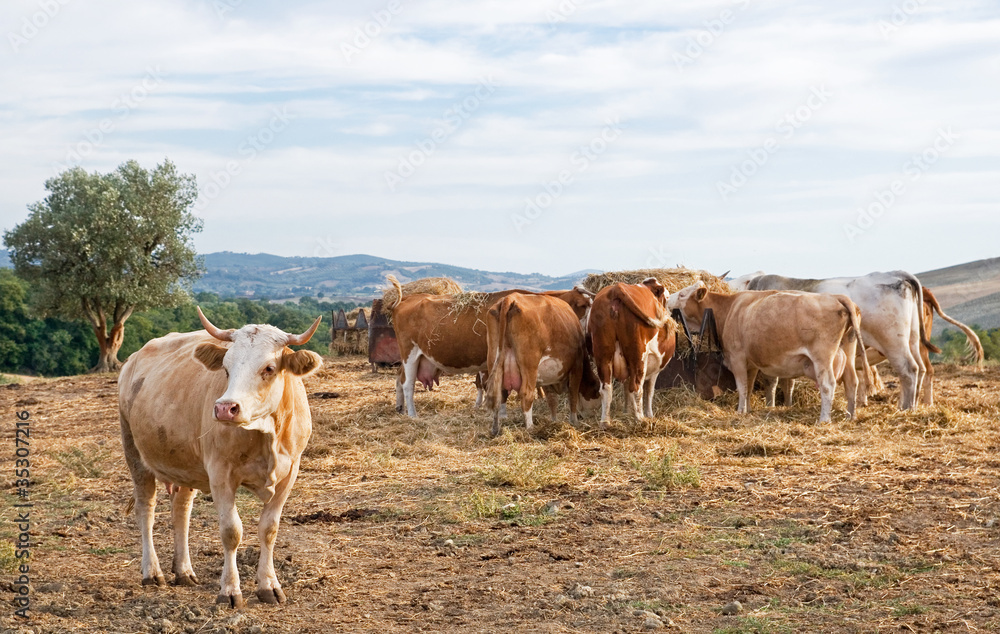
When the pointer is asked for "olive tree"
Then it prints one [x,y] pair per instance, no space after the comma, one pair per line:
[101,246]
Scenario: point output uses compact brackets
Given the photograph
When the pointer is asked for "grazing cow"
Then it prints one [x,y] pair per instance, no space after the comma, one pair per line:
[446,334]
[536,341]
[631,337]
[892,326]
[782,334]
[198,413]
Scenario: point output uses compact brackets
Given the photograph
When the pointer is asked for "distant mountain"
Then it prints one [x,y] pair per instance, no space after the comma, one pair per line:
[356,277]
[968,292]
[5,259]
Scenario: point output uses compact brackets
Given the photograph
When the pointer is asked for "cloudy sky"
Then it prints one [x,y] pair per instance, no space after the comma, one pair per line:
[806,138]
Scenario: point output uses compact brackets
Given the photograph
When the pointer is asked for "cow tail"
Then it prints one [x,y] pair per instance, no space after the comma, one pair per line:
[399,292]
[494,390]
[975,345]
[656,322]
[854,318]
[919,292]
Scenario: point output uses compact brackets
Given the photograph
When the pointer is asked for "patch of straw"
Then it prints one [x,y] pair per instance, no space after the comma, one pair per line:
[672,279]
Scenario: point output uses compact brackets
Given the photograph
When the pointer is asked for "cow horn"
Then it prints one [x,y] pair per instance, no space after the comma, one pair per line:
[221,335]
[723,276]
[298,340]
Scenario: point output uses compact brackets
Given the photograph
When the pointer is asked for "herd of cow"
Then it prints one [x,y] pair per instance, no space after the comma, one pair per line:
[216,409]
[779,327]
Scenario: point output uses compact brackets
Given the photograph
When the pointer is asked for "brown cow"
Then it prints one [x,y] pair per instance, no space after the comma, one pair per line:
[446,334]
[631,337]
[536,341]
[783,334]
[188,423]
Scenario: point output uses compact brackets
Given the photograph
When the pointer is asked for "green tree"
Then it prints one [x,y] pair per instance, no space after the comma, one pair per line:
[101,246]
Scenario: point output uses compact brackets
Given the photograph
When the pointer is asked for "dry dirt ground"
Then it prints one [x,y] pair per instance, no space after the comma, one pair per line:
[887,523]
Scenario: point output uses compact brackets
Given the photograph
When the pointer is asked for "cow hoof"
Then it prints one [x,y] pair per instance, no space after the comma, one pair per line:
[399,409]
[185,580]
[158,580]
[271,597]
[232,600]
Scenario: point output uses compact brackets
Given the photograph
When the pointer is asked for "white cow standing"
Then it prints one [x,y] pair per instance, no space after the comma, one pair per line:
[892,325]
[197,414]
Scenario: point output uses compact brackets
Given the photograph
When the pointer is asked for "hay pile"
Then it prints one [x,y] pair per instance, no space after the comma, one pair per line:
[428,285]
[672,279]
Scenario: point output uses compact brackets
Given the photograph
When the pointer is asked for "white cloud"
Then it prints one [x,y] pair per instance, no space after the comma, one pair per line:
[561,69]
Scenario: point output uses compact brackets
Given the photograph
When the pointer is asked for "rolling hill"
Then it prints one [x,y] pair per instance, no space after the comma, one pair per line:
[968,292]
[352,277]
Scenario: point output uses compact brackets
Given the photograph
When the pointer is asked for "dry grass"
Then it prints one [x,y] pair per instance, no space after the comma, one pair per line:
[428,285]
[672,279]
[887,522]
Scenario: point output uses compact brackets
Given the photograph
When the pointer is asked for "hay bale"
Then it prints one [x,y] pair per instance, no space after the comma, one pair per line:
[672,279]
[428,285]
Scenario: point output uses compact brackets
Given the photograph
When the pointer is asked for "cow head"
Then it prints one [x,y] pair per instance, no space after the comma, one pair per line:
[742,283]
[256,365]
[688,300]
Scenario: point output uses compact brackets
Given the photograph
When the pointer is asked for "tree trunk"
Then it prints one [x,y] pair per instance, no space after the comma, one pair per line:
[110,344]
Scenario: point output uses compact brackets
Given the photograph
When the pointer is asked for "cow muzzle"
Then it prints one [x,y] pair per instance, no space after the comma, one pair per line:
[227,411]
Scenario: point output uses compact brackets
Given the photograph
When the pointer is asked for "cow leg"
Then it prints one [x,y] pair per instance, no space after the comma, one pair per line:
[527,394]
[787,386]
[144,497]
[927,387]
[826,381]
[552,400]
[647,394]
[770,387]
[851,386]
[268,588]
[606,393]
[180,513]
[742,377]
[410,378]
[231,533]
[480,388]
[400,400]
[909,377]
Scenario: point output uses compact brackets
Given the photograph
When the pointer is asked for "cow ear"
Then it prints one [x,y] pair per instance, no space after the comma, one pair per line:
[210,355]
[301,362]
[700,294]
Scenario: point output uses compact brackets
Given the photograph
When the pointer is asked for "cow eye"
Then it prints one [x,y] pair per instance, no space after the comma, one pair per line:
[269,369]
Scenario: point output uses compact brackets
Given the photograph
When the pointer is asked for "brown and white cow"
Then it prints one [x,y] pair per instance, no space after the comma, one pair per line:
[446,334]
[214,411]
[631,337]
[784,334]
[536,341]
